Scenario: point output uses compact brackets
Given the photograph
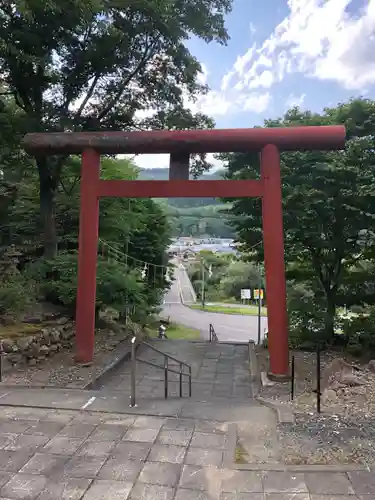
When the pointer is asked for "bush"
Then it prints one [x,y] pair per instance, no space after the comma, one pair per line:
[116,284]
[306,323]
[359,334]
[16,296]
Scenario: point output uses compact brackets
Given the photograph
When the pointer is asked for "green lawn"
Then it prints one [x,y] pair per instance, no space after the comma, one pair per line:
[247,311]
[175,331]
[178,332]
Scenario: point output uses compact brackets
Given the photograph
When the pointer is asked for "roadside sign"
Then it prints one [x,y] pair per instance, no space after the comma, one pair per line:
[245,293]
[256,294]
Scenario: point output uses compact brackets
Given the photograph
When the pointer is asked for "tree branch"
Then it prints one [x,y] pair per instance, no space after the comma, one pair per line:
[125,82]
[88,96]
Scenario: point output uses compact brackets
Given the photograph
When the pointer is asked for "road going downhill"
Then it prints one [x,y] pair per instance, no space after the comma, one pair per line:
[228,327]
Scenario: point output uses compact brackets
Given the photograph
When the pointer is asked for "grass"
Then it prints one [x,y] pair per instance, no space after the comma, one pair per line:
[246,311]
[19,330]
[179,332]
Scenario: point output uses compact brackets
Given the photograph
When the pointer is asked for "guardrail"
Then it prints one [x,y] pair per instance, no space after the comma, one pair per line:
[212,334]
[317,391]
[165,367]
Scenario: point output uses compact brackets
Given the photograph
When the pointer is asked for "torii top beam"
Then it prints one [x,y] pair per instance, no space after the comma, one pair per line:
[187,141]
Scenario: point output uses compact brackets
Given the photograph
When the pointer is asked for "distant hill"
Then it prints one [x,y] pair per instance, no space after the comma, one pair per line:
[160,174]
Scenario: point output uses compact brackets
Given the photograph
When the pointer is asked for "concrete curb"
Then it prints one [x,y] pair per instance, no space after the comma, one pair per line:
[121,357]
[284,414]
[254,369]
[300,468]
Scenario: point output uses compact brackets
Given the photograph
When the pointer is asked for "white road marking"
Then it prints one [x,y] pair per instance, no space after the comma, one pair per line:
[88,403]
[3,395]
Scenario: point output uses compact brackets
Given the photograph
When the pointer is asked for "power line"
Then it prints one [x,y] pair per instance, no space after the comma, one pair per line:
[125,256]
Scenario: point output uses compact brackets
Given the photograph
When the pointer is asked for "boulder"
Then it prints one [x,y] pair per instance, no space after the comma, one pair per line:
[351,380]
[371,366]
[7,345]
[24,343]
[44,350]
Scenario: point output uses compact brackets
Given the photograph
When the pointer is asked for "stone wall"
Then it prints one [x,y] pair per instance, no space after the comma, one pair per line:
[32,349]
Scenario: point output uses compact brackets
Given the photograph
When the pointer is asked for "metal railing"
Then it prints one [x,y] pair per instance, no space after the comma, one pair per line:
[212,334]
[165,367]
[317,391]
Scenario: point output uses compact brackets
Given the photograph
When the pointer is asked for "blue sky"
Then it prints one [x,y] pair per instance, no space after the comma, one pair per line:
[311,53]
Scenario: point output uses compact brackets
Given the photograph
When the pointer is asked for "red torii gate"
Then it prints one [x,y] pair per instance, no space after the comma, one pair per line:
[180,144]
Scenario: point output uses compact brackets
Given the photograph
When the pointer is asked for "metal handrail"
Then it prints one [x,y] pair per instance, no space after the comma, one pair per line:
[213,336]
[166,369]
[164,354]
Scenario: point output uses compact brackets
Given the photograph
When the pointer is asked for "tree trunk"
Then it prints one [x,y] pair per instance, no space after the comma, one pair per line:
[47,188]
[329,318]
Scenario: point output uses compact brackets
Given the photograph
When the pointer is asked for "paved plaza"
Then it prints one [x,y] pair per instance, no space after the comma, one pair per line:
[73,444]
[62,454]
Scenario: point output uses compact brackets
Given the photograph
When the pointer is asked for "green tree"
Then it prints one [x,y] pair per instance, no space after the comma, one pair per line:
[101,64]
[328,202]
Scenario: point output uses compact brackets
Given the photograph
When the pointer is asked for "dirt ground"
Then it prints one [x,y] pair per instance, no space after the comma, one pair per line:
[60,369]
[344,431]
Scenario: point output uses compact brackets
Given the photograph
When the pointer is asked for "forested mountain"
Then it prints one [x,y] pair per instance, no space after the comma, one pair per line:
[162,174]
[193,216]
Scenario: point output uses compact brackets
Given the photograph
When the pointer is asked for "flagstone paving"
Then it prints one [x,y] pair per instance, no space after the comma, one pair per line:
[72,455]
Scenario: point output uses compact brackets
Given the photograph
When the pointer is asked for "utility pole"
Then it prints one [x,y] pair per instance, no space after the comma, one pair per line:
[202,292]
[259,305]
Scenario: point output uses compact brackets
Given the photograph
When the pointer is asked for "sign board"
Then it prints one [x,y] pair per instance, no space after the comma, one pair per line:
[245,294]
[256,294]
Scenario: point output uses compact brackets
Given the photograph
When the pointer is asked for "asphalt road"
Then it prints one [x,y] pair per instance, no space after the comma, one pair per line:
[228,327]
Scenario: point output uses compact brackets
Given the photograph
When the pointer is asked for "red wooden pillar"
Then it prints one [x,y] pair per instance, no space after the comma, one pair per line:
[87,256]
[273,238]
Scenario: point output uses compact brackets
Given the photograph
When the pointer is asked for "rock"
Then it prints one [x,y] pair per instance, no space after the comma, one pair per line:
[55,335]
[351,380]
[44,350]
[371,366]
[53,348]
[34,320]
[329,396]
[24,343]
[32,362]
[14,358]
[62,321]
[7,346]
[67,334]
[34,350]
[48,316]
[46,337]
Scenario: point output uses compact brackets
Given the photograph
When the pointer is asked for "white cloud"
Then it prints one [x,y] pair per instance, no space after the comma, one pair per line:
[294,100]
[265,79]
[257,102]
[318,38]
[162,161]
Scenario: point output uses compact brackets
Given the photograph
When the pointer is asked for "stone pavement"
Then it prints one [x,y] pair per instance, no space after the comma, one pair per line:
[72,455]
[218,370]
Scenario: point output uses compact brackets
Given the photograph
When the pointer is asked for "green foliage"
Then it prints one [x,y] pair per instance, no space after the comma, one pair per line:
[240,275]
[306,317]
[16,296]
[229,276]
[328,202]
[136,227]
[359,334]
[100,65]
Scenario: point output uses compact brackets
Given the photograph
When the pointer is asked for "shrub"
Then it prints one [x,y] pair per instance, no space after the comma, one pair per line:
[306,324]
[116,284]
[16,295]
[359,333]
